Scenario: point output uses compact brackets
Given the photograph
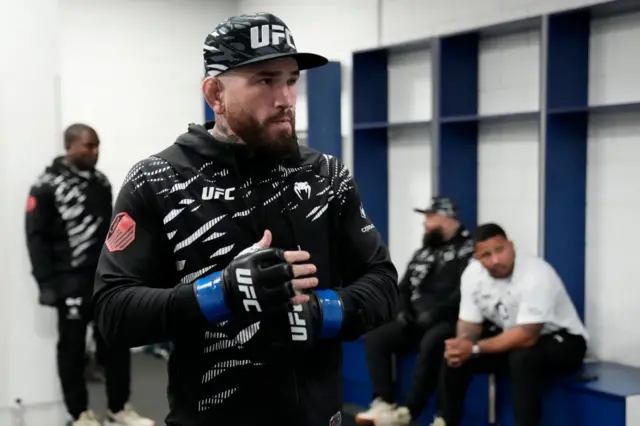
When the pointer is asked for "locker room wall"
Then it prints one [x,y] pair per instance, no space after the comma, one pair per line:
[508,150]
[613,197]
[133,70]
[29,137]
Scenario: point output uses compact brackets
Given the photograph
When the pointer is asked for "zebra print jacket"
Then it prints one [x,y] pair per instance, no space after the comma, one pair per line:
[67,220]
[187,212]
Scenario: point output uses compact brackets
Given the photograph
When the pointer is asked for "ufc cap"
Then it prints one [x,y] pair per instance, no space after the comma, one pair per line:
[440,205]
[248,39]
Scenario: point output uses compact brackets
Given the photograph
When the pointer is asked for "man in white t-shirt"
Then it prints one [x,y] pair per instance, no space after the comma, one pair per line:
[515,318]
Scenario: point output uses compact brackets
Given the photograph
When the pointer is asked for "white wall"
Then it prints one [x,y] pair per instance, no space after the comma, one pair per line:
[133,69]
[509,71]
[28,132]
[404,20]
[409,187]
[410,100]
[613,197]
[508,179]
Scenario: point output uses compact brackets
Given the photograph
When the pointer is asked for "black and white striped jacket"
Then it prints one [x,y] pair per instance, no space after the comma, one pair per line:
[187,212]
[67,220]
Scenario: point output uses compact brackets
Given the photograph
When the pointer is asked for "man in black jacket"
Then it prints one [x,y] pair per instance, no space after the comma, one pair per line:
[428,308]
[251,254]
[67,220]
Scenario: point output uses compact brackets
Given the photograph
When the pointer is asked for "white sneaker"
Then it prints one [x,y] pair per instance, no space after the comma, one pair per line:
[87,418]
[396,417]
[127,417]
[438,421]
[368,417]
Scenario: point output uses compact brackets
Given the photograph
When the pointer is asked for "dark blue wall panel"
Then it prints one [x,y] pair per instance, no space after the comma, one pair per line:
[568,61]
[458,168]
[370,160]
[370,163]
[458,71]
[565,190]
[370,97]
[457,152]
[324,90]
[566,149]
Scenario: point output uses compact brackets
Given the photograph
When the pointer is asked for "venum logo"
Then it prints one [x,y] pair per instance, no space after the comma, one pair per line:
[273,35]
[302,188]
[298,325]
[245,285]
[213,193]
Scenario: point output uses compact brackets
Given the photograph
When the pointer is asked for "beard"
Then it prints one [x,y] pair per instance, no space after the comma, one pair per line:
[260,139]
[433,239]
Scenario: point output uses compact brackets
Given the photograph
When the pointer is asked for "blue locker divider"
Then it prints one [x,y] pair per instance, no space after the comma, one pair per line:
[370,139]
[565,180]
[324,95]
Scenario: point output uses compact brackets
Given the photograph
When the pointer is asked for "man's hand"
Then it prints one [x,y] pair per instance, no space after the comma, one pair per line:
[457,351]
[259,281]
[298,284]
[47,297]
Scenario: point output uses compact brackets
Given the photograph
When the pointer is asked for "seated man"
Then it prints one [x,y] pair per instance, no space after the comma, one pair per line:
[540,332]
[429,300]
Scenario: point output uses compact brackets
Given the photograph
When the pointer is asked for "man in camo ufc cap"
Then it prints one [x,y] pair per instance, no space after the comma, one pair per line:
[250,253]
[245,57]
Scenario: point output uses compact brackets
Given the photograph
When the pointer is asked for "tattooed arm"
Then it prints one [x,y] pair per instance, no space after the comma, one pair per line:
[469,330]
[470,317]
[539,293]
[521,336]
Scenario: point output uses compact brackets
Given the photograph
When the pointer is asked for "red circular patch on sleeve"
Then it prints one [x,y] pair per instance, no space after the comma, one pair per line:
[31,203]
[122,232]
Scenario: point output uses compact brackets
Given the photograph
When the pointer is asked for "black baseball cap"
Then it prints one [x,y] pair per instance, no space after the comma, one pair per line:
[442,206]
[248,39]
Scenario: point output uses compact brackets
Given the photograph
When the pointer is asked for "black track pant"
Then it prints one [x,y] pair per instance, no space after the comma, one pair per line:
[395,338]
[74,315]
[528,370]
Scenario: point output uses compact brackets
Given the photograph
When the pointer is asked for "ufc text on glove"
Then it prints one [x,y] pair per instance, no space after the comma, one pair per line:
[260,283]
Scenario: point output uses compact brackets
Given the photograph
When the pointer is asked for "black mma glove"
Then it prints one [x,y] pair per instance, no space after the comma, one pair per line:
[254,284]
[320,318]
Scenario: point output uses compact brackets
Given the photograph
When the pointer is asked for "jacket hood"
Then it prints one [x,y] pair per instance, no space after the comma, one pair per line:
[60,166]
[199,139]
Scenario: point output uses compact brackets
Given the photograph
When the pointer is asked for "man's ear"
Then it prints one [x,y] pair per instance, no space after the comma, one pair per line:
[510,244]
[212,90]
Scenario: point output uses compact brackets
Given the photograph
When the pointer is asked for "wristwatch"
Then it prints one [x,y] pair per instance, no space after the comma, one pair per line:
[475,350]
